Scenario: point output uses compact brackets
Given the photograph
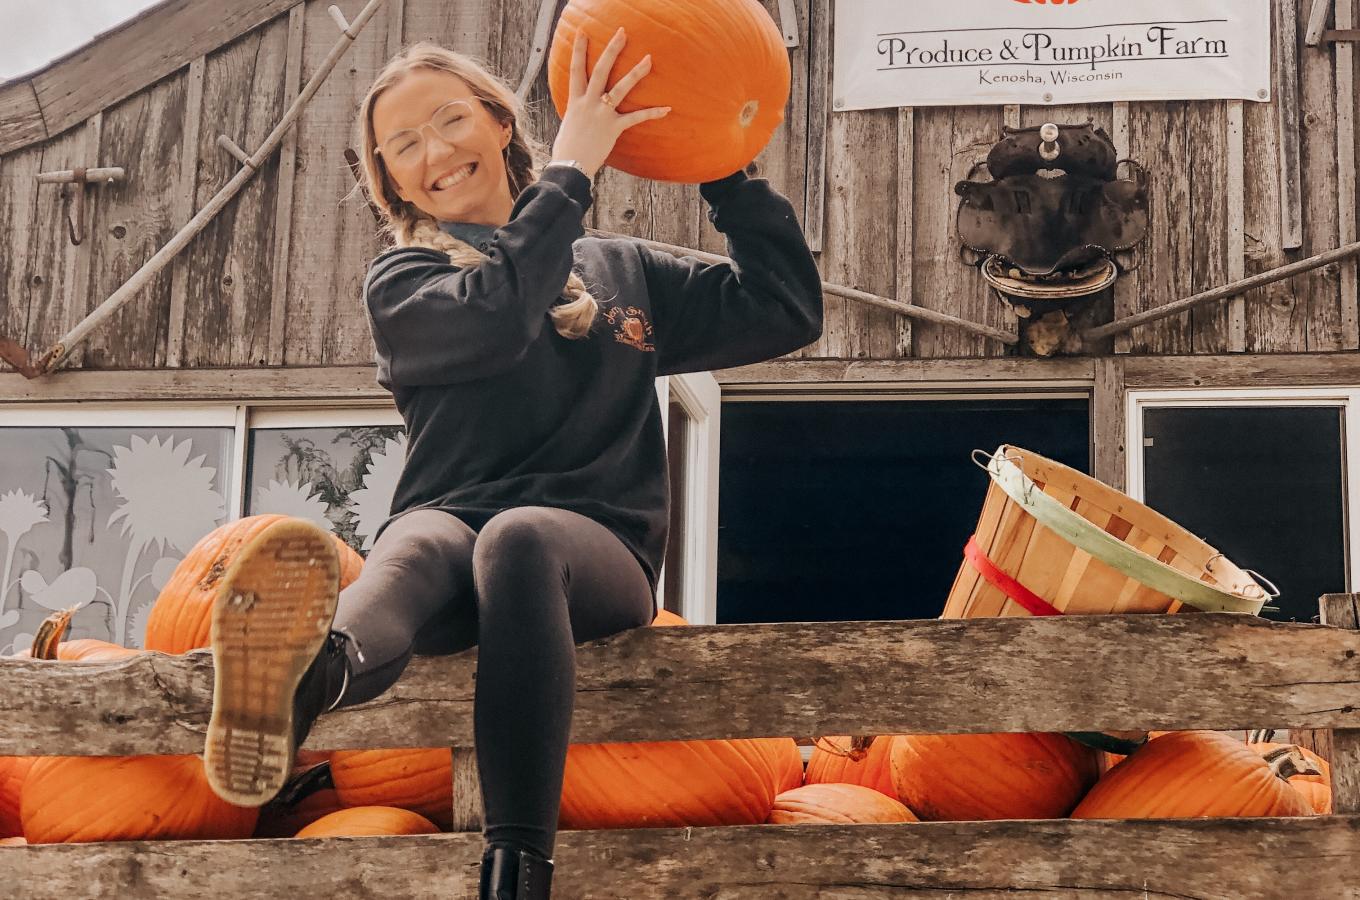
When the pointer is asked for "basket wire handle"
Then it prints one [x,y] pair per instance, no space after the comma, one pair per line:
[1271,590]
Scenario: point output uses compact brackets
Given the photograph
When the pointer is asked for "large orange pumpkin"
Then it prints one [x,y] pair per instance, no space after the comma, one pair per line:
[721,65]
[1316,789]
[953,777]
[420,780]
[788,763]
[837,804]
[75,799]
[47,644]
[13,771]
[1191,774]
[363,821]
[671,783]
[834,762]
[181,617]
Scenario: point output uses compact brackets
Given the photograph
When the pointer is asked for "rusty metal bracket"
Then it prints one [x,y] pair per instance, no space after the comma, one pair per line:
[76,180]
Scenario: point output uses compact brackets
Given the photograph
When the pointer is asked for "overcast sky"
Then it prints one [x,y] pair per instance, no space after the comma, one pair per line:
[34,32]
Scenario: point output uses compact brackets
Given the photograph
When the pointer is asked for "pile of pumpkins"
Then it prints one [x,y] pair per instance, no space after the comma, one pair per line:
[885,779]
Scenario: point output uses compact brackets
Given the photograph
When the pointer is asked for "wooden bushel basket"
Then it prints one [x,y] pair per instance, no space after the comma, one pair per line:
[1053,541]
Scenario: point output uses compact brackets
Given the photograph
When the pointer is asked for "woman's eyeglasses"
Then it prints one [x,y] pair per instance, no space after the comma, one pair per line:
[453,122]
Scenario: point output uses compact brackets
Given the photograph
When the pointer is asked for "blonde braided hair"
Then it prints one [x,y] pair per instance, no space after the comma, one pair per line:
[409,226]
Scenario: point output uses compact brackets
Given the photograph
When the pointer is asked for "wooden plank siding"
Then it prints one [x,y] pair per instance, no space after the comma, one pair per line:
[276,278]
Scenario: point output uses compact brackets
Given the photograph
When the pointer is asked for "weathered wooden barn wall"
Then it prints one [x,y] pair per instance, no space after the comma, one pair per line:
[275,279]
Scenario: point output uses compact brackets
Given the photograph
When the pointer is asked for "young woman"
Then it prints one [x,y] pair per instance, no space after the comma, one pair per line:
[531,513]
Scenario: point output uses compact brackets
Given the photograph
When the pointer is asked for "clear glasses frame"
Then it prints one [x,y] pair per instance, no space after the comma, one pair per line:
[453,122]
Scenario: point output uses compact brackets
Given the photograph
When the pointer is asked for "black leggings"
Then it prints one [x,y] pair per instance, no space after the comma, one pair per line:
[526,588]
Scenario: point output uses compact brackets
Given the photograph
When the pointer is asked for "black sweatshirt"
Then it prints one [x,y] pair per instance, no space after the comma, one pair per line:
[502,411]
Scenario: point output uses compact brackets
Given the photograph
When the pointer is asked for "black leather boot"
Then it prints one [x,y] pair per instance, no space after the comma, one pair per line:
[510,874]
[322,686]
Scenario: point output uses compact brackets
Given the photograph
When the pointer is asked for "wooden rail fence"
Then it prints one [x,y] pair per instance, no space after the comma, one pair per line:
[1220,672]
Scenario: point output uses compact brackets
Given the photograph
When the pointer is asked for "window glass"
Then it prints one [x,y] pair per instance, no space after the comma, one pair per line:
[1263,484]
[860,510]
[98,517]
[341,478]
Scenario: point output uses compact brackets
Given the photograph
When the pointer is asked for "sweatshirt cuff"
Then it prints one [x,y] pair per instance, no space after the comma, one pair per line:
[714,192]
[571,180]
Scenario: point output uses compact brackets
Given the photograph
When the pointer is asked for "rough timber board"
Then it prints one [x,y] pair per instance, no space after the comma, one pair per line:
[133,219]
[230,284]
[1207,859]
[121,62]
[1012,674]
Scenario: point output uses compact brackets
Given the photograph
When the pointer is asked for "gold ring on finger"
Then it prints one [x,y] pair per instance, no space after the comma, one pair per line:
[609,100]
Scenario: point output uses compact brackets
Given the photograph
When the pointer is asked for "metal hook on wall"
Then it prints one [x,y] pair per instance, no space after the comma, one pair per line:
[79,178]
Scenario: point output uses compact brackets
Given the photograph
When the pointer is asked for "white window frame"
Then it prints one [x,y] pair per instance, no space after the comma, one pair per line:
[698,394]
[1346,398]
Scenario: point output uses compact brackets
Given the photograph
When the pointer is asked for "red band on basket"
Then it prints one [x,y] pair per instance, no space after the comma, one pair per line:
[1036,605]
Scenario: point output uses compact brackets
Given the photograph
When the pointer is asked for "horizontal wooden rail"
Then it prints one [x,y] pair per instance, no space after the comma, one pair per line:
[1207,859]
[1021,674]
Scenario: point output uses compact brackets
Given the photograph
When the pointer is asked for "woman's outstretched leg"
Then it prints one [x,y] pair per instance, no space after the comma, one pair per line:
[545,580]
[287,648]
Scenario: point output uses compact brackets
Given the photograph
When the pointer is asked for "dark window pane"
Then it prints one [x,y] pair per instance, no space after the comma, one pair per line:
[860,510]
[98,517]
[1263,484]
[341,478]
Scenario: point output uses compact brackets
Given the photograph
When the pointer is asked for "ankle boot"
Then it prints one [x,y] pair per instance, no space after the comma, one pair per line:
[510,874]
[322,686]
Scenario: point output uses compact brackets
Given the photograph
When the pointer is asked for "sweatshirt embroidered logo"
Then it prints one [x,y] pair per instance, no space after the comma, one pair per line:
[630,327]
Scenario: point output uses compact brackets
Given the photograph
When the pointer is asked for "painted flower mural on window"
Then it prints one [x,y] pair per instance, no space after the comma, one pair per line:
[97,518]
[373,502]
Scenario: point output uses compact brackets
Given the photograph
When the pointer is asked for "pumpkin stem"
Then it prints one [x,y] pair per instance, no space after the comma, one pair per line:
[51,632]
[1286,762]
[1261,736]
[748,112]
[858,749]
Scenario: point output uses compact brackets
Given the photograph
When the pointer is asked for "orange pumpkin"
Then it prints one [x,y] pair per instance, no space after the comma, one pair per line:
[666,618]
[48,645]
[788,763]
[1191,774]
[13,771]
[181,617]
[951,777]
[75,799]
[837,804]
[420,780]
[721,65]
[1316,789]
[364,821]
[278,821]
[671,783]
[835,762]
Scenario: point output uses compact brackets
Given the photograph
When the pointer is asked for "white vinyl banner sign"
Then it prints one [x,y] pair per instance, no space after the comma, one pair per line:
[983,52]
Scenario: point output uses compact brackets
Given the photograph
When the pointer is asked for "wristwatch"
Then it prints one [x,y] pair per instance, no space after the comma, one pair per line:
[569,162]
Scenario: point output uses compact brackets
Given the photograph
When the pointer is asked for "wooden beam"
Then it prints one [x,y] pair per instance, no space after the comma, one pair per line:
[1288,124]
[1257,370]
[283,202]
[1347,198]
[1314,857]
[122,61]
[819,110]
[1341,36]
[1237,223]
[835,372]
[348,384]
[1343,611]
[1108,426]
[183,199]
[931,676]
[1317,21]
